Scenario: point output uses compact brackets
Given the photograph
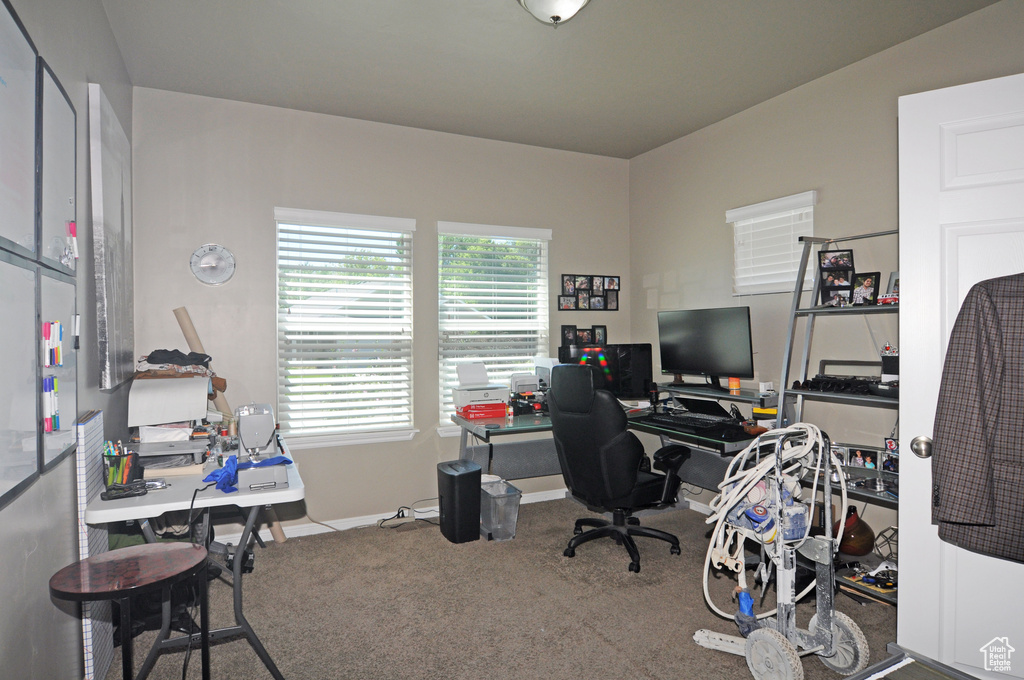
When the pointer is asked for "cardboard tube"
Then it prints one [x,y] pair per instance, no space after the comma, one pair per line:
[196,345]
[274,525]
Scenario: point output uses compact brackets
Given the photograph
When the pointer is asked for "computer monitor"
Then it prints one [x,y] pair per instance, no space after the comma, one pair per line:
[714,343]
[626,370]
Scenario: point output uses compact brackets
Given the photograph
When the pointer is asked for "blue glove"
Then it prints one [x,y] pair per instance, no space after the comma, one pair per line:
[227,476]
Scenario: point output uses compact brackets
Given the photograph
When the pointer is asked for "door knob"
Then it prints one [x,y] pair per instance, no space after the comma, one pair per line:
[922,447]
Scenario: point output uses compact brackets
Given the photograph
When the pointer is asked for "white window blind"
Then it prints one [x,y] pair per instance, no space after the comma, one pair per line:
[493,301]
[766,243]
[344,325]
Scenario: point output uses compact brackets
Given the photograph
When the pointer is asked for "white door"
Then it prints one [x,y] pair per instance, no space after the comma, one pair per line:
[961,187]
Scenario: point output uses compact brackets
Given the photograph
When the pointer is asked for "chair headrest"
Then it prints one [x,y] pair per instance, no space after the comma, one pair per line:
[572,387]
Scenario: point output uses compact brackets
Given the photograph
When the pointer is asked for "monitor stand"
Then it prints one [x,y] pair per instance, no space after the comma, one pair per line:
[713,383]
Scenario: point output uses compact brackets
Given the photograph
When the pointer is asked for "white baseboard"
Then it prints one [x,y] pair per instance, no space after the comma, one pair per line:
[312,528]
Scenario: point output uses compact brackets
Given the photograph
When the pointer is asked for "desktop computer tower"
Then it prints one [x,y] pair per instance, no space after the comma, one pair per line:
[458,492]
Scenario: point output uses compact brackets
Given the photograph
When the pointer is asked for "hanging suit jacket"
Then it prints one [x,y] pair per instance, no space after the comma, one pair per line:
[978,447]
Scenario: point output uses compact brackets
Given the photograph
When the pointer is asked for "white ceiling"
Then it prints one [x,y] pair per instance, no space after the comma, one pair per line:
[623,77]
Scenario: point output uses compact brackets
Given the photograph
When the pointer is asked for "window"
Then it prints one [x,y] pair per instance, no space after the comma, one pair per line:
[344,327]
[767,248]
[493,301]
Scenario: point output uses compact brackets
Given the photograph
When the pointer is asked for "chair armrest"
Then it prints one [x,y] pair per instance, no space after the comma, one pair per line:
[670,458]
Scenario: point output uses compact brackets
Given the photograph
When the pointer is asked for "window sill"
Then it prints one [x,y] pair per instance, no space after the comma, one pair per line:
[323,441]
[448,430]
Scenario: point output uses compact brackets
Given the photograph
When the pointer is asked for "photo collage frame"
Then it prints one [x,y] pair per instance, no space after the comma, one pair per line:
[589,292]
[596,335]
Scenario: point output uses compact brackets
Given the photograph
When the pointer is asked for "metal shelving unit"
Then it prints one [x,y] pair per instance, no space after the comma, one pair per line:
[796,396]
[812,313]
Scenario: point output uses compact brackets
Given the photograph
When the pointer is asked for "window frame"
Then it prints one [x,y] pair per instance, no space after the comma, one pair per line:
[353,223]
[784,264]
[541,322]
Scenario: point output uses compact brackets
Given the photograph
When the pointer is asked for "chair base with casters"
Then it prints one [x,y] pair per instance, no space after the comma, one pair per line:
[623,526]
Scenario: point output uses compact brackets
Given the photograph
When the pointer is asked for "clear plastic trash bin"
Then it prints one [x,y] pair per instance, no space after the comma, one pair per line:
[499,510]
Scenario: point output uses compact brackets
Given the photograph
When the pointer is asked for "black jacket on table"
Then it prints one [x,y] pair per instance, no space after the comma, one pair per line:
[978,448]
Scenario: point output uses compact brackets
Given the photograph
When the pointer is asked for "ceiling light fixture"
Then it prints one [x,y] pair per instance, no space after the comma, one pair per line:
[553,12]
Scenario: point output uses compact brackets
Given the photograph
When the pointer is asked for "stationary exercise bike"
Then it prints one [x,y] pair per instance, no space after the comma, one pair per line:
[760,501]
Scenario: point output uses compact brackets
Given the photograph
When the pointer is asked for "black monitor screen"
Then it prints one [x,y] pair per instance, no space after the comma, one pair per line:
[626,370]
[714,343]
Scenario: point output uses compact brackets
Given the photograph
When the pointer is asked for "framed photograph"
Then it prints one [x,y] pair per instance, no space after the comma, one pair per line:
[597,301]
[568,284]
[830,278]
[611,283]
[597,285]
[584,336]
[567,302]
[835,259]
[582,297]
[890,462]
[864,457]
[894,284]
[865,288]
[836,296]
[611,298]
[840,453]
[568,335]
[600,334]
[582,283]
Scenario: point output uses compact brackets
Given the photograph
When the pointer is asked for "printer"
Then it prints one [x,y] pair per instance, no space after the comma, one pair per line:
[476,397]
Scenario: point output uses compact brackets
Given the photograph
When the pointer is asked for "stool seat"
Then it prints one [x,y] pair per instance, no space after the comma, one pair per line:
[120,574]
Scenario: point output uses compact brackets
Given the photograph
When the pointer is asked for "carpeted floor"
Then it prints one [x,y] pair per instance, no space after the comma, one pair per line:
[406,604]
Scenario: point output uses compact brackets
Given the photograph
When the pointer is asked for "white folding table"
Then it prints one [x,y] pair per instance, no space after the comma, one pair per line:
[179,496]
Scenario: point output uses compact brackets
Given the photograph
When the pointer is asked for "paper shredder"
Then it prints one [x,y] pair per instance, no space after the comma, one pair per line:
[458,491]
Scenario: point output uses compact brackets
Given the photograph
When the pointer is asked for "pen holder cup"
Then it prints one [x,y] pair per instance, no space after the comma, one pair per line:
[121,469]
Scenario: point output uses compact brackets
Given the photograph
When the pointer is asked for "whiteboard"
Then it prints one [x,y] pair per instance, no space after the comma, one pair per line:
[57,202]
[57,304]
[18,377]
[17,136]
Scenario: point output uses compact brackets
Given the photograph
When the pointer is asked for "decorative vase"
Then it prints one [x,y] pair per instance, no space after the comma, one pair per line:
[858,537]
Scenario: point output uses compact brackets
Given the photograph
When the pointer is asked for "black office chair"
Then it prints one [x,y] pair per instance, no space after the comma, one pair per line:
[601,462]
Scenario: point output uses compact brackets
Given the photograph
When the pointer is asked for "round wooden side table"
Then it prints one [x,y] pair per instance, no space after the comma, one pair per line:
[120,574]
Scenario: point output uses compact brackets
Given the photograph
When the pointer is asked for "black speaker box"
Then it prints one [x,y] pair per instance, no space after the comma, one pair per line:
[458,491]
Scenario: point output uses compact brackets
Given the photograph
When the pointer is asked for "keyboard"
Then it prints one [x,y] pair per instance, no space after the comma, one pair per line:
[692,422]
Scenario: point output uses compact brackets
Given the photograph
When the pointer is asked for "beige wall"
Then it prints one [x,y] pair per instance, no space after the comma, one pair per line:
[836,135]
[213,170]
[37,638]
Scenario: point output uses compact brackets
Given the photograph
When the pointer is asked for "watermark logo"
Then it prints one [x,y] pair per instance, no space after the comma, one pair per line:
[997,655]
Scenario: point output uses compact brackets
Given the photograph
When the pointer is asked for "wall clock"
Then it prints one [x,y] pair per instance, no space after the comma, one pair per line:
[213,264]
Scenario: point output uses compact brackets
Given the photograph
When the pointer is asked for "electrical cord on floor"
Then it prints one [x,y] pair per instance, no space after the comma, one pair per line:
[405,513]
[190,615]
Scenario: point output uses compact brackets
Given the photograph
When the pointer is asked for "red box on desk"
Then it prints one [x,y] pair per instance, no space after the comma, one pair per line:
[475,411]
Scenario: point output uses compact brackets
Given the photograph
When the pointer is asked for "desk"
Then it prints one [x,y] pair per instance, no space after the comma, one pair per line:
[178,496]
[537,457]
[513,459]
